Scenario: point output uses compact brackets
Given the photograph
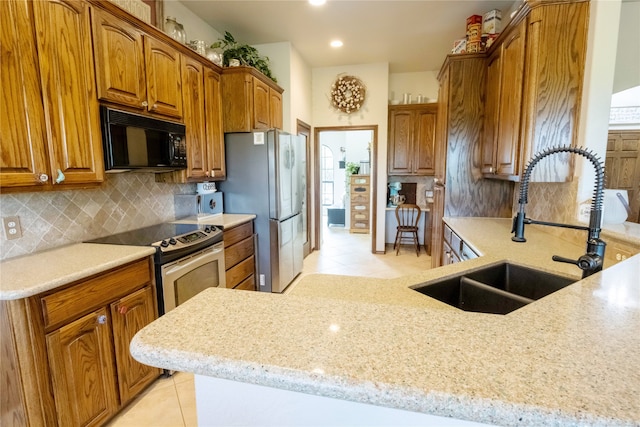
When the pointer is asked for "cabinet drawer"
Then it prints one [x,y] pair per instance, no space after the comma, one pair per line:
[455,243]
[360,198]
[360,180]
[359,189]
[236,274]
[236,234]
[360,224]
[84,297]
[248,284]
[359,208]
[447,234]
[358,216]
[236,253]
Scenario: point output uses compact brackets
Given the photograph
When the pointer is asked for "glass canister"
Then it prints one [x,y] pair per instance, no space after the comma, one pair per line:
[174,29]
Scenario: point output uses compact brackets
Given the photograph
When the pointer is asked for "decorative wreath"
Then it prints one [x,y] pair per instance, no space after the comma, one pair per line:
[347,94]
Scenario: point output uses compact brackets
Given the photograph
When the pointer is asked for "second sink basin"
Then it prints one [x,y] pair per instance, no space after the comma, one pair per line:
[499,289]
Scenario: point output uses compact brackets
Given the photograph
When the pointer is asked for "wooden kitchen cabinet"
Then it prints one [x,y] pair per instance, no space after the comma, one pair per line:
[412,139]
[360,199]
[50,123]
[503,105]
[534,89]
[134,69]
[251,101]
[67,350]
[240,257]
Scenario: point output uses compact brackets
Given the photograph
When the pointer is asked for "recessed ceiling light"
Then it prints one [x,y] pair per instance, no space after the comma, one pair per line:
[317,2]
[336,43]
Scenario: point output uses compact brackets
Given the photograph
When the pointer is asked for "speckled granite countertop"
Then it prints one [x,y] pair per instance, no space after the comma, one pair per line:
[569,359]
[30,275]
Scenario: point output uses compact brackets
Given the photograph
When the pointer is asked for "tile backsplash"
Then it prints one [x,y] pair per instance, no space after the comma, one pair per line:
[54,218]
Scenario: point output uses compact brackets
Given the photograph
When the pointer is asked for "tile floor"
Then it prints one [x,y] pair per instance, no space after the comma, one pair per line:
[170,402]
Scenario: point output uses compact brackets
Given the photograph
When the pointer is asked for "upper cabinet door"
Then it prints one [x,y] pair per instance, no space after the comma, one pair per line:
[194,119]
[164,89]
[119,57]
[400,145]
[63,32]
[261,115]
[23,156]
[275,108]
[425,141]
[213,126]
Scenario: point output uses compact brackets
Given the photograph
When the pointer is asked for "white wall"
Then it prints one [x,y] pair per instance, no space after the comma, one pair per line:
[627,73]
[374,112]
[604,20]
[421,83]
[195,27]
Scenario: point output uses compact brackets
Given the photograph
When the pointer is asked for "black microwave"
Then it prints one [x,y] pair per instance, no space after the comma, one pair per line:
[132,141]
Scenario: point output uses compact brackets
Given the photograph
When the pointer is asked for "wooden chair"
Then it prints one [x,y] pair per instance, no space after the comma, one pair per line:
[408,216]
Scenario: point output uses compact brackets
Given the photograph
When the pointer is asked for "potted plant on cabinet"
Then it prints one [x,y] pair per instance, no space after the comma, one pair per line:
[245,54]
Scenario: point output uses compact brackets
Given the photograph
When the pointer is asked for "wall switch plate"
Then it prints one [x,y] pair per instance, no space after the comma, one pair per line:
[12,227]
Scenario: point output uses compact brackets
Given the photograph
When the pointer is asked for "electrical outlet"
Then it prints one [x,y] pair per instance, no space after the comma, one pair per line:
[12,227]
[262,280]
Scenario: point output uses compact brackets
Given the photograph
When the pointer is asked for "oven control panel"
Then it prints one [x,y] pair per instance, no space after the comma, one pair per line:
[207,235]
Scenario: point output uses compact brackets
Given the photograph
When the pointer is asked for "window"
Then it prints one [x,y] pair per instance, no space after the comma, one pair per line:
[326,176]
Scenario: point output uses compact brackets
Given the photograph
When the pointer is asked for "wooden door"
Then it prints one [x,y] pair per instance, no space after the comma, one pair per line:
[491,112]
[164,87]
[512,74]
[130,314]
[63,32]
[23,139]
[82,371]
[622,167]
[261,100]
[424,141]
[400,142]
[119,57]
[213,123]
[275,108]
[194,120]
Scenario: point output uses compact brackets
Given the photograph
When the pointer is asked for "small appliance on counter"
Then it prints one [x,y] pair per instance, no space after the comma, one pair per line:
[198,205]
[394,194]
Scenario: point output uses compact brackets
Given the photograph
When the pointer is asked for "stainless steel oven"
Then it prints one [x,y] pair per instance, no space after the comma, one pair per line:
[186,277]
[189,258]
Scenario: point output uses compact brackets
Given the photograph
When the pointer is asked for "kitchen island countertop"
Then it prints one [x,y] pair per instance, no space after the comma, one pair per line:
[570,358]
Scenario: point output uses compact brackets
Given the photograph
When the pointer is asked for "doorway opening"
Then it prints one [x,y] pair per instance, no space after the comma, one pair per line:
[345,155]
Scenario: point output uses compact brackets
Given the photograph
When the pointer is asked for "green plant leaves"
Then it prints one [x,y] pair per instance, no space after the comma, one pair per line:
[247,55]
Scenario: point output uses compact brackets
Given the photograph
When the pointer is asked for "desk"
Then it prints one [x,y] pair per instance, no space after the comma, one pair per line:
[424,227]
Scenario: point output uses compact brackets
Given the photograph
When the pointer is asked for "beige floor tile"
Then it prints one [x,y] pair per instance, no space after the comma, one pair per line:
[158,407]
[187,397]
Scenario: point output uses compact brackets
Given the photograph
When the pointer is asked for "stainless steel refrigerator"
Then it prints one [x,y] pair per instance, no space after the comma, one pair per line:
[265,176]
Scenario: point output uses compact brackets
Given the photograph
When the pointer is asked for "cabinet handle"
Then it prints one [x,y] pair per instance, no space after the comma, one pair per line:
[102,319]
[145,104]
[155,107]
[123,309]
[43,177]
[491,170]
[60,177]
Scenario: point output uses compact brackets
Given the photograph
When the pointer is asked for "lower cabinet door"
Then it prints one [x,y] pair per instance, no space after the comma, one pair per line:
[82,370]
[130,314]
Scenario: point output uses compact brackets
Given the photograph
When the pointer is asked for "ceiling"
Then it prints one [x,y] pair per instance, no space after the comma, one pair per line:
[410,35]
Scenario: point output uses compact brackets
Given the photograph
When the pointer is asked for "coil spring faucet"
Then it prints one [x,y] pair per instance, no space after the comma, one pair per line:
[592,261]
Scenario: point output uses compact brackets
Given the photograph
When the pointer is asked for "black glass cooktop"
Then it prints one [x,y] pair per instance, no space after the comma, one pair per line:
[147,235]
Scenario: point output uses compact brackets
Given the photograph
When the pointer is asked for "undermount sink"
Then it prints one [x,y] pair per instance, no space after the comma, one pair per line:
[498,289]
